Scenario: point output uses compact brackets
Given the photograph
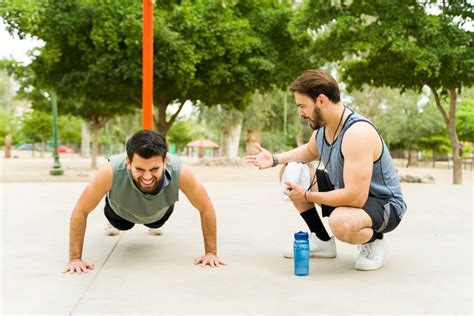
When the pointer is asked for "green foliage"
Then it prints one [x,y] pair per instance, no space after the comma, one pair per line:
[266,113]
[72,59]
[465,120]
[180,133]
[69,129]
[36,126]
[385,43]
[438,143]
[274,141]
[218,118]
[211,51]
[4,125]
[402,122]
[397,44]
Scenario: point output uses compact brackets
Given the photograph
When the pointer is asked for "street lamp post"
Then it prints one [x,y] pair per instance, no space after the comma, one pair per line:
[56,171]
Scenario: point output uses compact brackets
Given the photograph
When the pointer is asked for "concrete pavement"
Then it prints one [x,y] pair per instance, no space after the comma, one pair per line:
[428,268]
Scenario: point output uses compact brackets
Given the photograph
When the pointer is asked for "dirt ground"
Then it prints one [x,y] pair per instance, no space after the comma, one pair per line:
[25,168]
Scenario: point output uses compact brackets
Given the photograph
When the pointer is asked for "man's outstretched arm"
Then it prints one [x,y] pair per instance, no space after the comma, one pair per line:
[88,201]
[197,195]
[304,153]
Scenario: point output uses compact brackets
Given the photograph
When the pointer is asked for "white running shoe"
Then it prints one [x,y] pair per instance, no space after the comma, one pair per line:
[317,248]
[111,230]
[155,231]
[371,255]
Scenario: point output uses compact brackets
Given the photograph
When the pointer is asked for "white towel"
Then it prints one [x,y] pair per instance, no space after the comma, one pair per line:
[297,173]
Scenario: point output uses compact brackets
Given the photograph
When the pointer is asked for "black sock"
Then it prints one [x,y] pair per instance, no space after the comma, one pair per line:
[375,236]
[311,217]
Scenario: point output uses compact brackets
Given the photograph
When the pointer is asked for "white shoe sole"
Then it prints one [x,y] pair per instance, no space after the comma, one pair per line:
[367,268]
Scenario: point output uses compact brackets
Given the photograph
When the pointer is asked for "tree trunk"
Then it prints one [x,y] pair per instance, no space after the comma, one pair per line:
[95,143]
[8,146]
[450,121]
[252,138]
[161,124]
[434,157]
[230,139]
[412,158]
[85,140]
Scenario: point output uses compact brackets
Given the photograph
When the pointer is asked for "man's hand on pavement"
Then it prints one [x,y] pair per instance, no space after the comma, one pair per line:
[209,259]
[78,266]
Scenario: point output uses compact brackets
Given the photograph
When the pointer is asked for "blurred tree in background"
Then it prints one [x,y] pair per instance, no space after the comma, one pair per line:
[36,127]
[399,45]
[233,61]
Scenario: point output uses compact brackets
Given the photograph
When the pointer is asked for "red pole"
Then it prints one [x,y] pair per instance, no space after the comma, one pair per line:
[147,61]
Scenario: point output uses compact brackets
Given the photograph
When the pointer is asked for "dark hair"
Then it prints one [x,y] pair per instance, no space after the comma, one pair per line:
[146,144]
[315,82]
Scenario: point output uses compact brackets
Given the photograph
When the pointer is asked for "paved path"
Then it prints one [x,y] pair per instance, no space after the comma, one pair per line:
[428,267]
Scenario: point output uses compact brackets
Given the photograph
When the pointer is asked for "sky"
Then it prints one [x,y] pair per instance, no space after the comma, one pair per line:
[13,47]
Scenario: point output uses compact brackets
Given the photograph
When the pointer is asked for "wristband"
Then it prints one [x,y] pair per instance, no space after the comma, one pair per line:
[275,161]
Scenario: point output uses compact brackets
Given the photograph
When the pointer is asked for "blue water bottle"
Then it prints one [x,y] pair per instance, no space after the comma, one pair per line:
[301,253]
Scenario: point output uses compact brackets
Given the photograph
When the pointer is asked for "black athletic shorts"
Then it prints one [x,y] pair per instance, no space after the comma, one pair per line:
[123,224]
[384,216]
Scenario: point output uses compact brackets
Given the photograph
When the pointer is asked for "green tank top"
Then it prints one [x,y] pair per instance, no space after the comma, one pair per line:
[130,203]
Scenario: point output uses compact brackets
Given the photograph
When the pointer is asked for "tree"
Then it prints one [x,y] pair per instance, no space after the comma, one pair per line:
[69,129]
[180,133]
[228,122]
[400,45]
[209,51]
[7,115]
[272,120]
[465,120]
[74,62]
[402,120]
[37,127]
[222,54]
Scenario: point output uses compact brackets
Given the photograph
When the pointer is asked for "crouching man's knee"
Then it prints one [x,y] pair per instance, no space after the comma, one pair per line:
[341,226]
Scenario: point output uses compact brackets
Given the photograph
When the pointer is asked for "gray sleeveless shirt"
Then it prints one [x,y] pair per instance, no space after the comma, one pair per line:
[130,203]
[384,183]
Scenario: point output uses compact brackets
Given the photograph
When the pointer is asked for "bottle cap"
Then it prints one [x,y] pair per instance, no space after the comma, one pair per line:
[301,235]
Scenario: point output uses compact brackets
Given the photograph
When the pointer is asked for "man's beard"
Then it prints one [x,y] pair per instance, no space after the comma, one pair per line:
[319,119]
[144,188]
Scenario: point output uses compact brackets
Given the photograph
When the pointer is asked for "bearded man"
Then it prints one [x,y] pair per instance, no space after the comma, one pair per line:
[358,188]
[141,186]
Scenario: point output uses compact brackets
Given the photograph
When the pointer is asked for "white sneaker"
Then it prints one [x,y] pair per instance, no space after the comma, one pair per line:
[111,230]
[317,248]
[155,231]
[371,255]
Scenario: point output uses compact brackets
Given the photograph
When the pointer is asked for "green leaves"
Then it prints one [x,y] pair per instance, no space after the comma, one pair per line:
[213,52]
[387,43]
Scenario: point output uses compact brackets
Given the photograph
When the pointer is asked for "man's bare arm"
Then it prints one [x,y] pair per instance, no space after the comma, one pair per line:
[197,195]
[87,202]
[361,147]
[304,153]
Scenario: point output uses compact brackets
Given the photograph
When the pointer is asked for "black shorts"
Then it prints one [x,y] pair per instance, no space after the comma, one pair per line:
[384,216]
[123,224]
